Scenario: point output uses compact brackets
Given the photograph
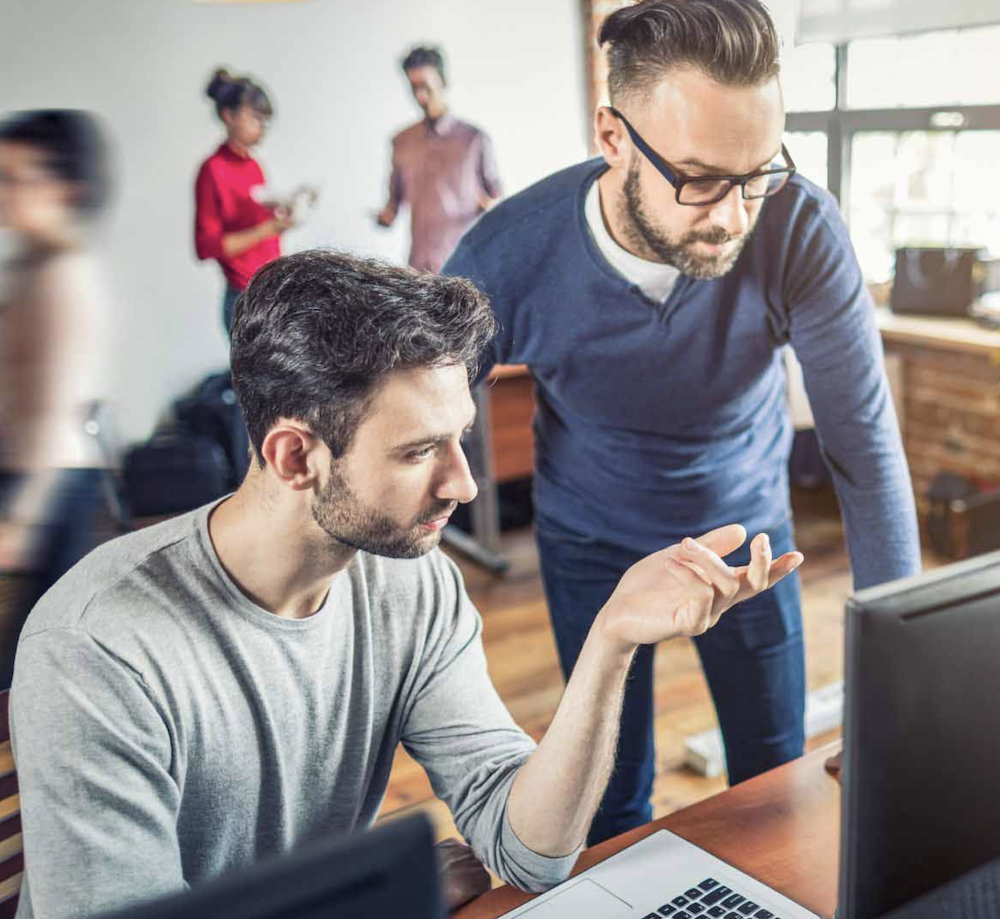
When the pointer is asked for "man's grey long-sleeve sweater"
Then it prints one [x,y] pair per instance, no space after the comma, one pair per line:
[166,729]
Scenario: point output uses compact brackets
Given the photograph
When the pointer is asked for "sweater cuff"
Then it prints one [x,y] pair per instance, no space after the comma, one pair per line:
[526,868]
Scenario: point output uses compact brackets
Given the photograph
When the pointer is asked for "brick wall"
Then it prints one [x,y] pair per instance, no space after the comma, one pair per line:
[594,12]
[951,414]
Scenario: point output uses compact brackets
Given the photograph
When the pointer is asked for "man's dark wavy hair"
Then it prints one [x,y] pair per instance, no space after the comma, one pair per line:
[315,333]
[732,41]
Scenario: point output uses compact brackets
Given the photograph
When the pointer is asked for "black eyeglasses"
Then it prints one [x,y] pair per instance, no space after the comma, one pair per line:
[701,190]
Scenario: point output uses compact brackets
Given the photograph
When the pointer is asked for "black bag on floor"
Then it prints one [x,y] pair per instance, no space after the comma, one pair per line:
[212,411]
[173,473]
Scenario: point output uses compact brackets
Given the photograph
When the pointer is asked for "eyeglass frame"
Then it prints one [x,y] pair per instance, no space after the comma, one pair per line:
[678,180]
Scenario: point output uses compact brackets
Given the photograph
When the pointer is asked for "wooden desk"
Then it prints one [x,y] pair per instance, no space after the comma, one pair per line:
[783,828]
[950,333]
[512,407]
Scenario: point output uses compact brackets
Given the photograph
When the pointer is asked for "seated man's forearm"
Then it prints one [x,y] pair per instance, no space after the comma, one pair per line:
[557,791]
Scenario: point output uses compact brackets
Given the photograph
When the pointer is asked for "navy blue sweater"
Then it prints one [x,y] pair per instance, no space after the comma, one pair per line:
[660,420]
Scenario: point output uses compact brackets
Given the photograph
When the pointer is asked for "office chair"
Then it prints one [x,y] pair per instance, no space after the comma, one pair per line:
[11,853]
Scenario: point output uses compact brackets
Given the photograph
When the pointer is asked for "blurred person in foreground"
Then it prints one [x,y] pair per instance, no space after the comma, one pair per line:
[53,332]
[443,168]
[238,222]
[234,682]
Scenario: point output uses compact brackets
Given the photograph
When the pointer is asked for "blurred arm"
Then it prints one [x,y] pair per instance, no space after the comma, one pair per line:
[397,193]
[489,175]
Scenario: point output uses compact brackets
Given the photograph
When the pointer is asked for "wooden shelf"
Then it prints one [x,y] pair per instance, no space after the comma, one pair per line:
[958,334]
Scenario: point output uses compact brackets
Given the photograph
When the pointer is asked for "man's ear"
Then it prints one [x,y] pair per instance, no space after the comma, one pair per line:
[293,454]
[612,138]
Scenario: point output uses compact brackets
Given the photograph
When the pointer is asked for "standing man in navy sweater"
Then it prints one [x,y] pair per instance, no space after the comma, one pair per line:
[651,293]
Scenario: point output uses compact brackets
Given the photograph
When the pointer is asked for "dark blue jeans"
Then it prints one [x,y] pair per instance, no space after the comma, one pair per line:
[753,660]
[229,299]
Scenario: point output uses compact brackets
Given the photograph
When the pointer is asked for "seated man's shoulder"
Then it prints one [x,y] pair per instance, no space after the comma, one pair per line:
[125,585]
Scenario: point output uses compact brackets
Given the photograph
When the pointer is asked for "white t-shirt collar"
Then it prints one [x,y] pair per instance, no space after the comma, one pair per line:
[654,279]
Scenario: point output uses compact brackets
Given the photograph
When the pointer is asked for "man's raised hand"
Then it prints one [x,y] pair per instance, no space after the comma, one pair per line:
[684,589]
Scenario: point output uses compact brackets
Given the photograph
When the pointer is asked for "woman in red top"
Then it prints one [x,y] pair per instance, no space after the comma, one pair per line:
[230,225]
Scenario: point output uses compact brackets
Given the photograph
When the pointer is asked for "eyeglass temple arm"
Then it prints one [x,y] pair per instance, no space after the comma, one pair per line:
[646,150]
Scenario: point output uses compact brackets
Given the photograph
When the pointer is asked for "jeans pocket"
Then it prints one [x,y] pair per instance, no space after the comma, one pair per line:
[769,620]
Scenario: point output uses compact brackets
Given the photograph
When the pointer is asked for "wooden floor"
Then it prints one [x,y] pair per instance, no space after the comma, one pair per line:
[522,659]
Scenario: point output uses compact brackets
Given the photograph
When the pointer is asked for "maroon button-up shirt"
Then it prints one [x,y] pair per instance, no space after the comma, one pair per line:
[442,169]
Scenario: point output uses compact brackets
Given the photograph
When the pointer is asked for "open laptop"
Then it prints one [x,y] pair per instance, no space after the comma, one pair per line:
[920,770]
[660,876]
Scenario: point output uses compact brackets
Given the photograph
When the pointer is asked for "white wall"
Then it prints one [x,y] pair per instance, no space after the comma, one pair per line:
[331,67]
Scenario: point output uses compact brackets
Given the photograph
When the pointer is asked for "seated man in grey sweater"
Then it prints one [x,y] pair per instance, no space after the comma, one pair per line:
[232,683]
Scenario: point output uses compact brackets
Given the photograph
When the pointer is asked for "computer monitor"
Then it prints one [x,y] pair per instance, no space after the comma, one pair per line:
[975,895]
[388,871]
[921,760]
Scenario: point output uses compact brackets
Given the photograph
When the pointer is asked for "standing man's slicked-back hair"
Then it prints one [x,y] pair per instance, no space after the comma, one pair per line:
[732,41]
[315,332]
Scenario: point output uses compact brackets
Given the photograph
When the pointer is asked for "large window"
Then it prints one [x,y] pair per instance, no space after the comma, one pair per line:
[809,150]
[923,188]
[809,84]
[810,78]
[937,68]
[911,130]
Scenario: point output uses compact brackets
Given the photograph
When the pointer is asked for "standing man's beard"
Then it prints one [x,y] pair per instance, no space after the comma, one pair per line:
[350,522]
[645,235]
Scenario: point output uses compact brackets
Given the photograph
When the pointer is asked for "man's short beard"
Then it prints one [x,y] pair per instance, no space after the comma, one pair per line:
[351,523]
[647,237]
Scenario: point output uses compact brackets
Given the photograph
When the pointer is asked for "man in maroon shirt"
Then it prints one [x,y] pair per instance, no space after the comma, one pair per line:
[442,167]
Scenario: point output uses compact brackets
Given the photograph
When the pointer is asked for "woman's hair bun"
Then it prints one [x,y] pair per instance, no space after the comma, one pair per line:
[229,92]
[217,85]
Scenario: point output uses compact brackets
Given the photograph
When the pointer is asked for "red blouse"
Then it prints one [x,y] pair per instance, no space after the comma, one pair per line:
[223,205]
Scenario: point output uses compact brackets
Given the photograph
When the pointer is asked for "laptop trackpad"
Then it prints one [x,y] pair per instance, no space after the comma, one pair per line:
[583,900]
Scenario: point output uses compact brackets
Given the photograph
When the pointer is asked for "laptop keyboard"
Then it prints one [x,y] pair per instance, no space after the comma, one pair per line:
[711,900]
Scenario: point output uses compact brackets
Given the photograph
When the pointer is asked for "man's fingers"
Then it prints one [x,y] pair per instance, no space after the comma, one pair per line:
[724,540]
[784,566]
[682,562]
[778,569]
[721,576]
[760,562]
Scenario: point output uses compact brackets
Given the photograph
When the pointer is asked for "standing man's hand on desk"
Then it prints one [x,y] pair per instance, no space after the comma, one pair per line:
[462,874]
[680,591]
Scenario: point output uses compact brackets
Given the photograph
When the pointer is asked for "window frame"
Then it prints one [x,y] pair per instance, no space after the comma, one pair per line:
[841,124]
